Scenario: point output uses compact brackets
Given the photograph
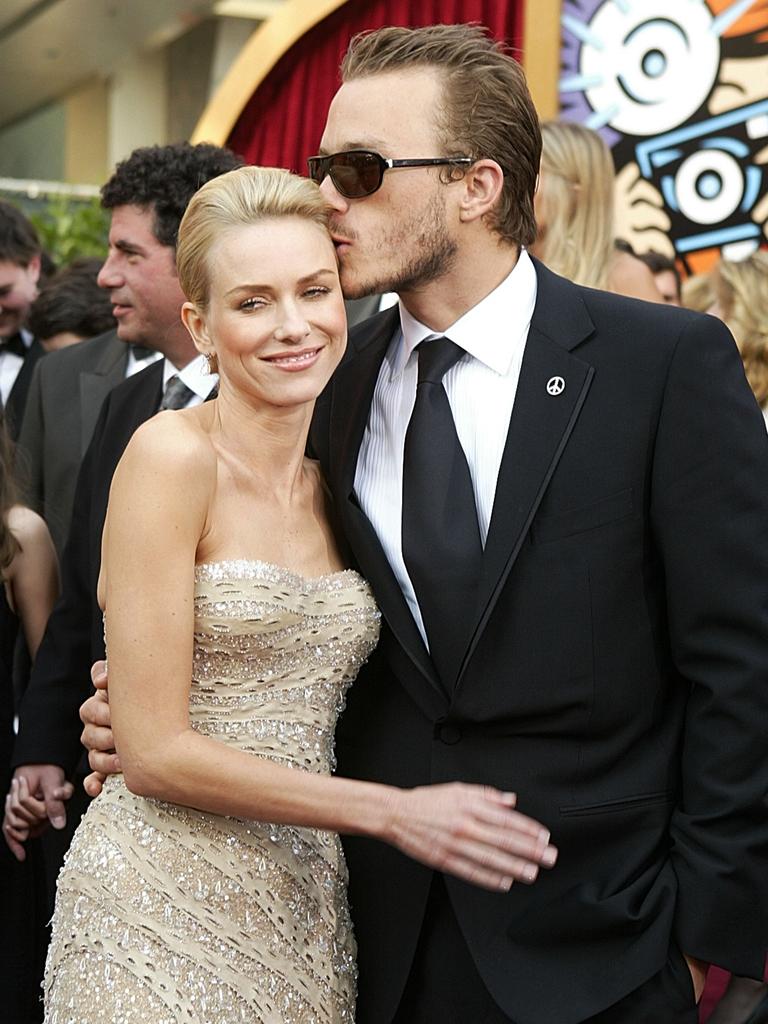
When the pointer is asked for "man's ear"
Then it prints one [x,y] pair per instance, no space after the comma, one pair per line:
[195,323]
[483,184]
[34,266]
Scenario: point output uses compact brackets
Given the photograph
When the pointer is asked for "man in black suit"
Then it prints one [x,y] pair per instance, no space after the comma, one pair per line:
[595,639]
[20,261]
[147,195]
[612,653]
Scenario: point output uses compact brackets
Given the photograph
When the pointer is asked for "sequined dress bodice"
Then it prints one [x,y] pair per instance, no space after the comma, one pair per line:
[169,914]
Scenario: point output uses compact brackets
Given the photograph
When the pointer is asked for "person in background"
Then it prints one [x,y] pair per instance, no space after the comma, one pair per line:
[697,293]
[741,301]
[146,196]
[20,268]
[574,207]
[665,274]
[28,588]
[71,306]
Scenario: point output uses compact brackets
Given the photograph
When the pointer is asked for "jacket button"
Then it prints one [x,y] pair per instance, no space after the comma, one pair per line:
[447,733]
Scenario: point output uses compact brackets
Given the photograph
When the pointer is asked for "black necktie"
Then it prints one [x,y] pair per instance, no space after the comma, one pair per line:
[441,539]
[176,394]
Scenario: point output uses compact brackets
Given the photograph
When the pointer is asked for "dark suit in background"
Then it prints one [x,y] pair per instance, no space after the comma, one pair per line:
[614,676]
[65,397]
[49,728]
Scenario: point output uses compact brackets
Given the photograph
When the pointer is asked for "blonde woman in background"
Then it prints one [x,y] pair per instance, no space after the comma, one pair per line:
[697,293]
[574,207]
[741,301]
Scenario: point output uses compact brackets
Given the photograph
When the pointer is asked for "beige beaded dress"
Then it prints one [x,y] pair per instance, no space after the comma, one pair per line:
[166,915]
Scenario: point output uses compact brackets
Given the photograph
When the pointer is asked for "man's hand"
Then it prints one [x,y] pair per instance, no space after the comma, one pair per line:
[97,732]
[37,796]
[698,971]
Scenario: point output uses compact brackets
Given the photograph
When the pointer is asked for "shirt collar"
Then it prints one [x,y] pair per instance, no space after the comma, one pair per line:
[195,375]
[492,331]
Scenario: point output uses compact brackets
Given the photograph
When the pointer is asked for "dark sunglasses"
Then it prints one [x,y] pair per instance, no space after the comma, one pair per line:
[360,172]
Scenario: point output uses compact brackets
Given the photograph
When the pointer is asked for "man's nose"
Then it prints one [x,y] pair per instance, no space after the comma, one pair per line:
[108,276]
[336,200]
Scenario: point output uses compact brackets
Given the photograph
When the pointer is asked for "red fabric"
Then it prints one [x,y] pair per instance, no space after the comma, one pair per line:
[717,982]
[281,124]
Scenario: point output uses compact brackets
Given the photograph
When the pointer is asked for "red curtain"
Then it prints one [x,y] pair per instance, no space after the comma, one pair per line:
[281,124]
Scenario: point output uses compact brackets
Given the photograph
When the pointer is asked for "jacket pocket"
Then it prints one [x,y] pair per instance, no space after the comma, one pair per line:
[587,517]
[628,803]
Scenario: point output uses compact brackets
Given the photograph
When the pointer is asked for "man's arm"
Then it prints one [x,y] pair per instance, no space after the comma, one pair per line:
[709,509]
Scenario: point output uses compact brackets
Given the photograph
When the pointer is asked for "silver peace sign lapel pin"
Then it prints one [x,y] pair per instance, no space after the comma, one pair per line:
[555,386]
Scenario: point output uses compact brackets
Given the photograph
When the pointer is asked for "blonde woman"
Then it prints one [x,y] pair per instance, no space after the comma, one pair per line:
[208,881]
[574,206]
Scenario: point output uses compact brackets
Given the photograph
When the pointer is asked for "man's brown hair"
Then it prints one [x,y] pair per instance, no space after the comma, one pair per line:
[487,112]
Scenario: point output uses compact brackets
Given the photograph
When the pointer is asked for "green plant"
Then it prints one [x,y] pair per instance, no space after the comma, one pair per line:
[69,228]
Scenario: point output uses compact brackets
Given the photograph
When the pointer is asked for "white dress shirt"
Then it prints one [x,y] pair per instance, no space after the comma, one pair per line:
[481,392]
[10,364]
[196,376]
[134,365]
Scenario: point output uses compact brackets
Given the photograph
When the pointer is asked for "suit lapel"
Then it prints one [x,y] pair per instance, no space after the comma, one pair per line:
[353,390]
[96,384]
[539,429]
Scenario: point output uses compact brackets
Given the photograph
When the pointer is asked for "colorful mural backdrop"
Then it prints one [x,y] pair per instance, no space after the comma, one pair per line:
[679,90]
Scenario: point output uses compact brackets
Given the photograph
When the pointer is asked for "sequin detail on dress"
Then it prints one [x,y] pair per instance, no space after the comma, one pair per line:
[173,916]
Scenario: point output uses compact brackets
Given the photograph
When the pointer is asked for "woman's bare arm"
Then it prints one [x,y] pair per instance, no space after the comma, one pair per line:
[34,574]
[157,513]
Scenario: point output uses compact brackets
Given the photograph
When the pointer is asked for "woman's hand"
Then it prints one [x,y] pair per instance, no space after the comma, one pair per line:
[472,832]
[26,813]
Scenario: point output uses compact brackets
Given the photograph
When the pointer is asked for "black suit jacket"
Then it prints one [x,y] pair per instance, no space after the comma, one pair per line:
[49,727]
[64,402]
[616,673]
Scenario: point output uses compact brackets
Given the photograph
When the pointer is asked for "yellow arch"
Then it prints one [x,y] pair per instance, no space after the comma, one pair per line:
[274,37]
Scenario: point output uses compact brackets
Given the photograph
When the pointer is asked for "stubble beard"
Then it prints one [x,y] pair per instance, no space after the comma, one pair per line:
[428,249]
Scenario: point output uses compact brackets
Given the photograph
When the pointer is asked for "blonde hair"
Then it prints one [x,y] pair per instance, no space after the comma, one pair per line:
[697,293]
[239,198]
[577,203]
[742,292]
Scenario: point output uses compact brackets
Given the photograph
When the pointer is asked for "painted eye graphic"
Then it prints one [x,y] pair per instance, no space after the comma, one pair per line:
[646,67]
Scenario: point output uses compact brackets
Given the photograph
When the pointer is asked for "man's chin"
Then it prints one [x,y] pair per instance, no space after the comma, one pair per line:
[354,288]
[125,334]
[8,329]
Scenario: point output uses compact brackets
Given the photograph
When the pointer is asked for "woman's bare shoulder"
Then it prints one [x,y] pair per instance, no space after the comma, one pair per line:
[171,442]
[26,526]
